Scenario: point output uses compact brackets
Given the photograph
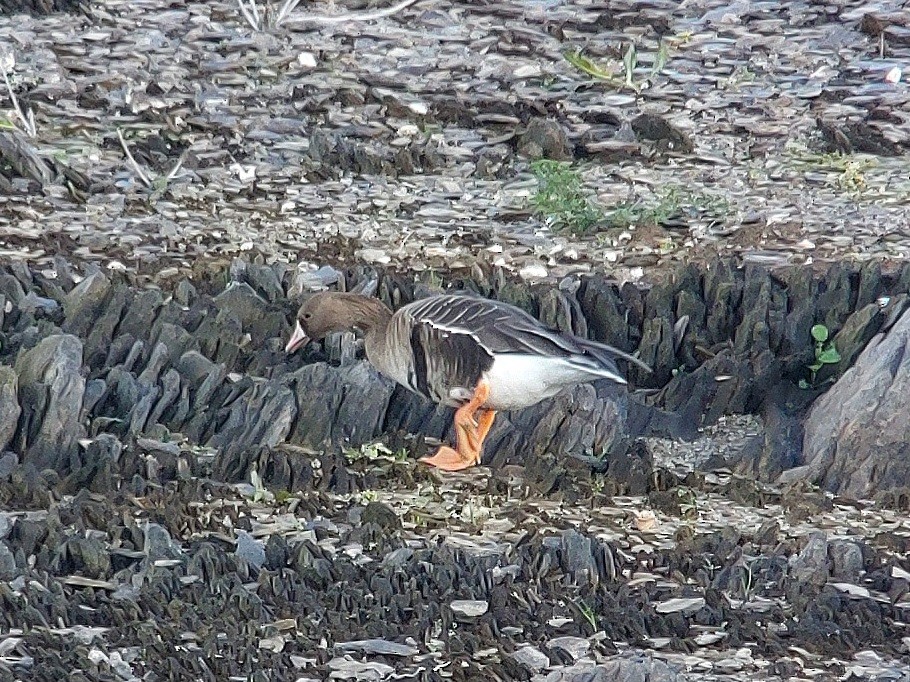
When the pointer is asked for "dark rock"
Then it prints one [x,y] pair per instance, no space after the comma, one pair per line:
[811,564]
[631,472]
[159,545]
[249,549]
[261,416]
[856,333]
[41,7]
[53,370]
[8,462]
[338,405]
[84,303]
[94,470]
[846,560]
[8,569]
[85,556]
[9,405]
[857,436]
[545,139]
[381,515]
[782,411]
[856,136]
[657,129]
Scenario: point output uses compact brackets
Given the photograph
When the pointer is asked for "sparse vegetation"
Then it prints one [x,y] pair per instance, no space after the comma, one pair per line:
[270,17]
[846,172]
[372,452]
[154,183]
[562,201]
[825,354]
[560,198]
[667,203]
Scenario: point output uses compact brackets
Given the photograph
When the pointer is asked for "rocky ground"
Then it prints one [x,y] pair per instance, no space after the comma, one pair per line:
[178,500]
[395,140]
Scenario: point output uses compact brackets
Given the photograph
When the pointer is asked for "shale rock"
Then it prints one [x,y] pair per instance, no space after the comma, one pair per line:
[9,406]
[51,383]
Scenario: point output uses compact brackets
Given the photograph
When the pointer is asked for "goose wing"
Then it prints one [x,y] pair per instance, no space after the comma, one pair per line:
[470,332]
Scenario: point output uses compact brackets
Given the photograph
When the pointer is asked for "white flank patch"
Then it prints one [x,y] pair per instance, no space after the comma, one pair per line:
[518,381]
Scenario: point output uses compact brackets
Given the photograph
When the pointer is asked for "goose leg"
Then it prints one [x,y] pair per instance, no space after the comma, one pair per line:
[484,424]
[469,434]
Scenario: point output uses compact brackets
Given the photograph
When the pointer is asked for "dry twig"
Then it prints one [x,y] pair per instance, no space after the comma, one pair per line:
[355,16]
[136,167]
[27,121]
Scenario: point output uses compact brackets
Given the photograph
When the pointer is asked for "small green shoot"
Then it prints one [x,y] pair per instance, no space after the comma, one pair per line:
[825,354]
[661,59]
[588,66]
[364,497]
[560,198]
[588,614]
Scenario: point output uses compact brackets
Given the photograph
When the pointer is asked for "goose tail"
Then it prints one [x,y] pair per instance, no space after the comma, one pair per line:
[606,356]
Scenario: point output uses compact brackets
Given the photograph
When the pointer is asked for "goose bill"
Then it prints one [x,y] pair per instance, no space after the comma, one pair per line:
[298,339]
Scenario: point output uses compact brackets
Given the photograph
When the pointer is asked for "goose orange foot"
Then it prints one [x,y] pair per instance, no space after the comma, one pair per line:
[469,434]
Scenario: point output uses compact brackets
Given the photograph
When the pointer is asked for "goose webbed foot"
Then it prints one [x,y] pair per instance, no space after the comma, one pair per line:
[469,434]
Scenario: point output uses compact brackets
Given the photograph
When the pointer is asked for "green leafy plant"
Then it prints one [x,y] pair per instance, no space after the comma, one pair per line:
[825,353]
[560,198]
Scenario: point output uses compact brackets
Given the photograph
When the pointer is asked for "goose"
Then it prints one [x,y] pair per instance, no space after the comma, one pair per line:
[474,354]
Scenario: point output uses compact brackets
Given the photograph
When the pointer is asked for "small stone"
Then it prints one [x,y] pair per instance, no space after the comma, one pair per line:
[531,658]
[533,271]
[347,669]
[545,139]
[471,608]
[846,559]
[576,647]
[382,515]
[8,462]
[811,564]
[250,549]
[159,545]
[380,647]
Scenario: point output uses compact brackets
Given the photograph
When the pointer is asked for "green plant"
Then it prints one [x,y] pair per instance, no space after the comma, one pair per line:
[367,496]
[588,613]
[560,198]
[375,451]
[667,203]
[825,354]
[608,72]
[283,496]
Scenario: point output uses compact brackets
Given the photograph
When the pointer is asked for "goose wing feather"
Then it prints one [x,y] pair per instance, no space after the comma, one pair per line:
[499,328]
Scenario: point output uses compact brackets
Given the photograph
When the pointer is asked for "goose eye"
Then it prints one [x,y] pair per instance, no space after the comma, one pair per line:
[307,316]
